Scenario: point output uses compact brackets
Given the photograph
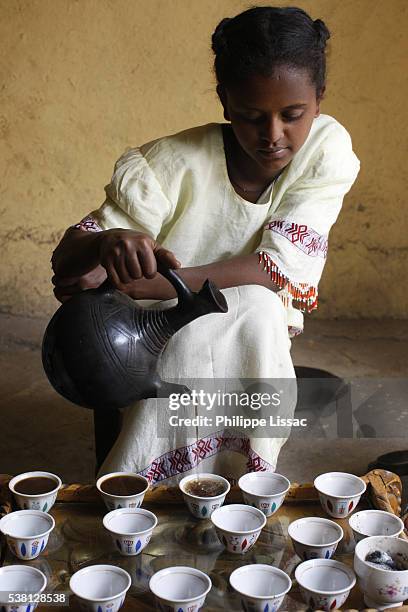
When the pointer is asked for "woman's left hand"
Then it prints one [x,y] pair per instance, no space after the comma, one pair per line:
[66,287]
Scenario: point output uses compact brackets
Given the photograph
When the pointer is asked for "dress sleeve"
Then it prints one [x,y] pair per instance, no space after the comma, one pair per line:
[294,242]
[134,199]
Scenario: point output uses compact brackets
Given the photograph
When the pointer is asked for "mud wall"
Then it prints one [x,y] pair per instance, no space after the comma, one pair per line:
[82,80]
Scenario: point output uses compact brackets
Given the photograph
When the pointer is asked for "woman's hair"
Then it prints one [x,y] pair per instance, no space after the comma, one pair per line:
[261,39]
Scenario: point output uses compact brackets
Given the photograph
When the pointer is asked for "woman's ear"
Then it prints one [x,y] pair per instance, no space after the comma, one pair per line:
[222,94]
[319,98]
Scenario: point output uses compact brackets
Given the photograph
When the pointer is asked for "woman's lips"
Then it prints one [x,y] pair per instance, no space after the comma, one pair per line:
[275,153]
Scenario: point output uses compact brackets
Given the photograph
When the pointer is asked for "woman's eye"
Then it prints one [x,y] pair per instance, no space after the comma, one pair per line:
[292,117]
[251,118]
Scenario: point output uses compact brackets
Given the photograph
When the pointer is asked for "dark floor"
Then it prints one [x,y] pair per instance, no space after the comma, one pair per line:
[40,430]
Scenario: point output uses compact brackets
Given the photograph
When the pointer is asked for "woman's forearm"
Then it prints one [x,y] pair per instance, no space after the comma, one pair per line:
[79,254]
[240,270]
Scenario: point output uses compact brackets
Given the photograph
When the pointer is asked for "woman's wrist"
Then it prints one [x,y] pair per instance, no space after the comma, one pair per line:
[157,288]
[78,253]
[241,270]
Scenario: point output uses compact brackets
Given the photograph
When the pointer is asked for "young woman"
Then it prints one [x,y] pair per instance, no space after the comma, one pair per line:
[248,204]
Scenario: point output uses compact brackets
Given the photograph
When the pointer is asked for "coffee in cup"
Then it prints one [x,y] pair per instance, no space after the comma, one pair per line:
[123,485]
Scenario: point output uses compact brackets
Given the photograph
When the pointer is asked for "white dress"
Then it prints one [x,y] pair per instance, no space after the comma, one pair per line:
[177,190]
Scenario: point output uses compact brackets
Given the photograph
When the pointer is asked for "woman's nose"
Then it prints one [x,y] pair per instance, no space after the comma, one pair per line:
[273,131]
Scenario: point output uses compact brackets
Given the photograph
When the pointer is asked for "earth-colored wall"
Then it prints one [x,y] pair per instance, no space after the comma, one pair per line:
[81,80]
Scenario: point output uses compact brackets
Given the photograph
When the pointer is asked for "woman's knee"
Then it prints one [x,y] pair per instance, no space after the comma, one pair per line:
[261,300]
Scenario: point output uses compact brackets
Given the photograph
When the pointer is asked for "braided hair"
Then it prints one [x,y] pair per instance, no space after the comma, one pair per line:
[261,39]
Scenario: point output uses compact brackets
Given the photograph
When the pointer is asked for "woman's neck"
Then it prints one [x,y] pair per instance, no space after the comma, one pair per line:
[242,169]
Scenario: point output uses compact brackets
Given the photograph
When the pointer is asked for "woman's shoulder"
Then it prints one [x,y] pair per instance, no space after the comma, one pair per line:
[168,160]
[327,149]
[198,140]
[327,131]
[175,149]
[166,163]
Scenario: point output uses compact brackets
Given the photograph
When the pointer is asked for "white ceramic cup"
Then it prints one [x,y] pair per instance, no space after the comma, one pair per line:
[130,529]
[180,587]
[314,537]
[238,526]
[375,523]
[114,502]
[100,587]
[27,532]
[339,492]
[264,490]
[324,584]
[260,587]
[382,588]
[41,501]
[20,580]
[203,507]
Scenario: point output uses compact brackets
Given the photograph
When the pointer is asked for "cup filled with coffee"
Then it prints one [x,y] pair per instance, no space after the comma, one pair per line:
[122,489]
[204,493]
[35,490]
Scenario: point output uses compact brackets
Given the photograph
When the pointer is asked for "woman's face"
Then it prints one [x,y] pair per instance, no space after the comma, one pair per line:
[271,116]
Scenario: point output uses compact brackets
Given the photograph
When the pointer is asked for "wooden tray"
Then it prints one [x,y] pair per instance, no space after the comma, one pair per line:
[79,539]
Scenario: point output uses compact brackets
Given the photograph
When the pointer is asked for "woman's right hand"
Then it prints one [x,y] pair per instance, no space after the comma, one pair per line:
[128,255]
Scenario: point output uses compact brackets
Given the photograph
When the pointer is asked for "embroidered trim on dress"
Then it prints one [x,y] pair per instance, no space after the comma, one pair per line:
[294,331]
[303,294]
[186,458]
[88,224]
[303,237]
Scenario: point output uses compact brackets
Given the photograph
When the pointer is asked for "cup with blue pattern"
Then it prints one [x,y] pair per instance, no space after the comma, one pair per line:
[130,529]
[180,589]
[197,489]
[264,490]
[27,532]
[20,579]
[260,587]
[315,537]
[100,588]
[35,490]
[122,489]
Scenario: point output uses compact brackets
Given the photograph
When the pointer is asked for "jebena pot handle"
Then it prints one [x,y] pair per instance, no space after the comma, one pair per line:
[184,293]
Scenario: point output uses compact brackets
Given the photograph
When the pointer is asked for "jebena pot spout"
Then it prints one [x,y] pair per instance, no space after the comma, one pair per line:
[192,305]
[100,349]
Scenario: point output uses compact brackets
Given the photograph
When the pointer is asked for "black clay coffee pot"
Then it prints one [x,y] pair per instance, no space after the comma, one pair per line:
[100,349]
